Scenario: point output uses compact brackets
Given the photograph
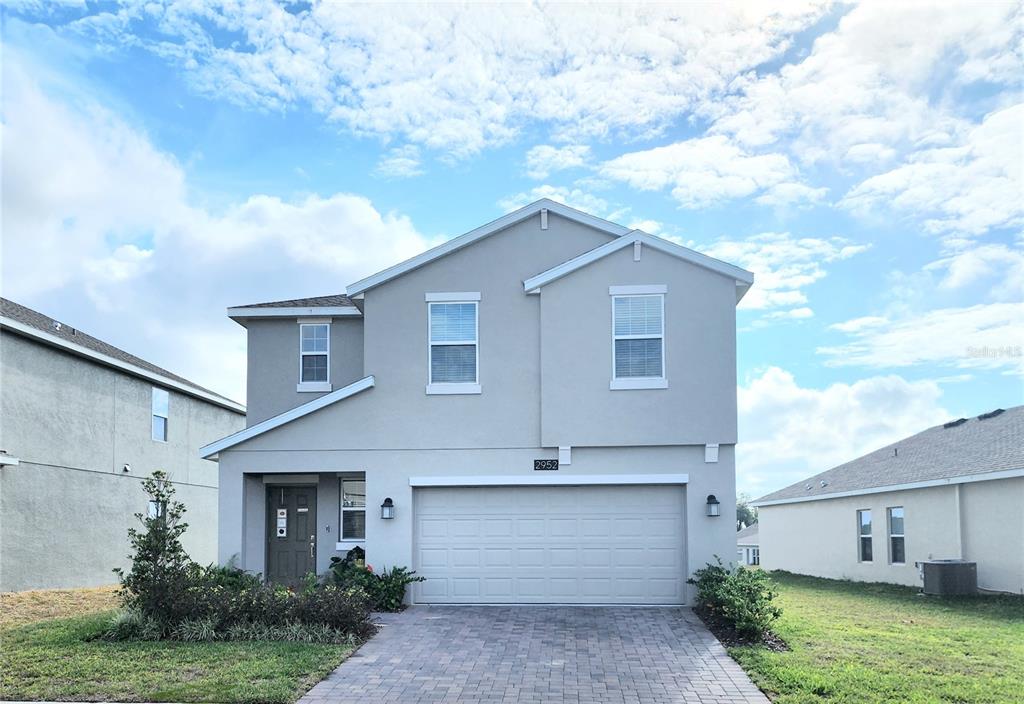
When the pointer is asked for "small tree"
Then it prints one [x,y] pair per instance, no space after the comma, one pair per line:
[746,515]
[160,568]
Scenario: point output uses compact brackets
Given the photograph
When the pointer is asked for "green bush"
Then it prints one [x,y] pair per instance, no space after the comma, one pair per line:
[741,597]
[132,625]
[385,591]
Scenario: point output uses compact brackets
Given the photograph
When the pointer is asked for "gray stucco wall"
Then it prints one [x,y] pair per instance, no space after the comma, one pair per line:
[74,424]
[273,358]
[820,537]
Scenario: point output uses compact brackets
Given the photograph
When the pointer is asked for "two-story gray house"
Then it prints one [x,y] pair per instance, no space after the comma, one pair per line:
[541,410]
[81,424]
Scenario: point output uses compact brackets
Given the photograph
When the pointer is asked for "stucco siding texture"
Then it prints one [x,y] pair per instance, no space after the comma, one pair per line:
[273,363]
[75,424]
[820,537]
[699,405]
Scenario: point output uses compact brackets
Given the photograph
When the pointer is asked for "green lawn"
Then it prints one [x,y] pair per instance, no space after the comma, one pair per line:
[55,660]
[862,643]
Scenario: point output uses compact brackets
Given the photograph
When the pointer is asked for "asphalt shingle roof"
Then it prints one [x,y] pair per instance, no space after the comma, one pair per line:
[747,536]
[44,323]
[956,449]
[315,302]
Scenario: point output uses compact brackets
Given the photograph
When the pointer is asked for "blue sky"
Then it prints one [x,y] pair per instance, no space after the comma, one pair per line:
[164,161]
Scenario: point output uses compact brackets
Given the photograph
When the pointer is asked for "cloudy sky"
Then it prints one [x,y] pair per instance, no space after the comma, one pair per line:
[164,161]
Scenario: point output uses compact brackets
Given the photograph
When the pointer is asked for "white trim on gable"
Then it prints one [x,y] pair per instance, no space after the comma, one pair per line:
[481,232]
[949,481]
[744,279]
[286,312]
[209,451]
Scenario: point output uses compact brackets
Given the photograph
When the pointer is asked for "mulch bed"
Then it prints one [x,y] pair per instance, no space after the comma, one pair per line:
[728,636]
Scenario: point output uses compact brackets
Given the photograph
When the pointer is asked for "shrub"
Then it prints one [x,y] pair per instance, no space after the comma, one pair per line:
[390,589]
[132,625]
[196,630]
[386,590]
[741,597]
[346,610]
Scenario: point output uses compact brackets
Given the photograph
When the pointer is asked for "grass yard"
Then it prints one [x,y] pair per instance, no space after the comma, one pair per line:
[862,643]
[53,659]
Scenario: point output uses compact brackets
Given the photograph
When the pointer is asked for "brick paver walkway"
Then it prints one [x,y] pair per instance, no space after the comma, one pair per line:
[539,654]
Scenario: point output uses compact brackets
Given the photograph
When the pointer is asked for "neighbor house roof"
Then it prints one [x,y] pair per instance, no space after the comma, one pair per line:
[335,305]
[33,324]
[989,446]
[747,536]
[638,238]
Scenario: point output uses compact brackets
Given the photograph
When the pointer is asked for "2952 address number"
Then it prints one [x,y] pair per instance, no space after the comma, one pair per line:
[543,465]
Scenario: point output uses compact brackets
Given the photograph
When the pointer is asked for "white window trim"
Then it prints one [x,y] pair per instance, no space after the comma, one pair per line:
[860,537]
[458,388]
[350,542]
[903,535]
[153,414]
[314,386]
[638,382]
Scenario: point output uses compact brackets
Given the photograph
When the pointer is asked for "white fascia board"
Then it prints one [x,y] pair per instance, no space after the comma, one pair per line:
[949,481]
[287,312]
[741,276]
[479,233]
[550,479]
[121,365]
[208,451]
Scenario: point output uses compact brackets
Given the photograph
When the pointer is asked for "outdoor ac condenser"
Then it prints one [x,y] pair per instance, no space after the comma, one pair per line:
[949,577]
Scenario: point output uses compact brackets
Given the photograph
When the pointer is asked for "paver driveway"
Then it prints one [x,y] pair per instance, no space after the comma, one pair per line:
[539,654]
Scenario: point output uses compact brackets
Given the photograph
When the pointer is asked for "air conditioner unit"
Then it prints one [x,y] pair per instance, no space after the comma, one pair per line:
[949,577]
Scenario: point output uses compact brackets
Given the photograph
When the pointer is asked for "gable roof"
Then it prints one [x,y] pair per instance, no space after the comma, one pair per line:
[336,305]
[337,299]
[210,451]
[744,279]
[457,243]
[747,536]
[30,323]
[977,449]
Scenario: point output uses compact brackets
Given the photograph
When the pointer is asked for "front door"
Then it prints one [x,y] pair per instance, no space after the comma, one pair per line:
[291,533]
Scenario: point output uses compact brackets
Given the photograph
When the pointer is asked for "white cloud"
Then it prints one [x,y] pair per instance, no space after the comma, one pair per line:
[400,162]
[704,171]
[967,189]
[460,78]
[788,432]
[573,197]
[99,231]
[783,265]
[985,262]
[651,227]
[984,336]
[544,159]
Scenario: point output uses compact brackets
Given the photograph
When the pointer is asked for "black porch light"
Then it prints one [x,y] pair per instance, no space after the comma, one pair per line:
[714,507]
[387,509]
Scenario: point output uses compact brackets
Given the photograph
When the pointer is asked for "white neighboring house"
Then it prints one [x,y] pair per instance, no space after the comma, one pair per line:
[748,550]
[955,491]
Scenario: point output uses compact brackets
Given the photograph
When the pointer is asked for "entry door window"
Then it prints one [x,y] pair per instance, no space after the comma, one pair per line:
[353,506]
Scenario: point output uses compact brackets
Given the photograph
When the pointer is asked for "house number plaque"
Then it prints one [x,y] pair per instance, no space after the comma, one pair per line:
[540,465]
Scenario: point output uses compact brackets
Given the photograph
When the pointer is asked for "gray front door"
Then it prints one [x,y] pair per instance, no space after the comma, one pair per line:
[291,533]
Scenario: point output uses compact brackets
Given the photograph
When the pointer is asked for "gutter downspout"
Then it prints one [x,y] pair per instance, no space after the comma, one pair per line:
[958,503]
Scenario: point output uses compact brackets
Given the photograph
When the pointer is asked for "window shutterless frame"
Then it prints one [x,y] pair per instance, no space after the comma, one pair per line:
[161,411]
[638,382]
[864,546]
[453,387]
[897,536]
[315,384]
[353,505]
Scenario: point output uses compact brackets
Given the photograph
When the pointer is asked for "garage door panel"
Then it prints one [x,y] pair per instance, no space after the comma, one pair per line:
[602,544]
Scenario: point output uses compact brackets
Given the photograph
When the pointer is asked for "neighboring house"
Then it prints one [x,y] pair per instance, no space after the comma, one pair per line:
[536,411]
[748,550]
[81,424]
[954,491]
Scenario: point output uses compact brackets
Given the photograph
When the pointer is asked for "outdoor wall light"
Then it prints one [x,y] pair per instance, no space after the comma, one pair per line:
[387,509]
[714,507]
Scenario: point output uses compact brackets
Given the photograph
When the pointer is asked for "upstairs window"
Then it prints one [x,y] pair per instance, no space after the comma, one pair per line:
[314,352]
[864,535]
[897,548]
[161,407]
[453,342]
[353,506]
[638,339]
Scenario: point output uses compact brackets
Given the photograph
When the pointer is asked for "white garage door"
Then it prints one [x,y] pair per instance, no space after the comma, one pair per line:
[553,545]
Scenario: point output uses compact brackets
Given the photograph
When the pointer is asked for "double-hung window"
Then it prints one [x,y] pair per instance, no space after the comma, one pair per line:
[161,407]
[897,547]
[638,337]
[314,357]
[864,535]
[454,354]
[353,506]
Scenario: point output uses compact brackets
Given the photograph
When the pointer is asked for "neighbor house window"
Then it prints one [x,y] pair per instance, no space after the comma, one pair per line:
[353,506]
[314,352]
[755,556]
[161,410]
[897,549]
[453,342]
[157,509]
[864,535]
[638,339]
